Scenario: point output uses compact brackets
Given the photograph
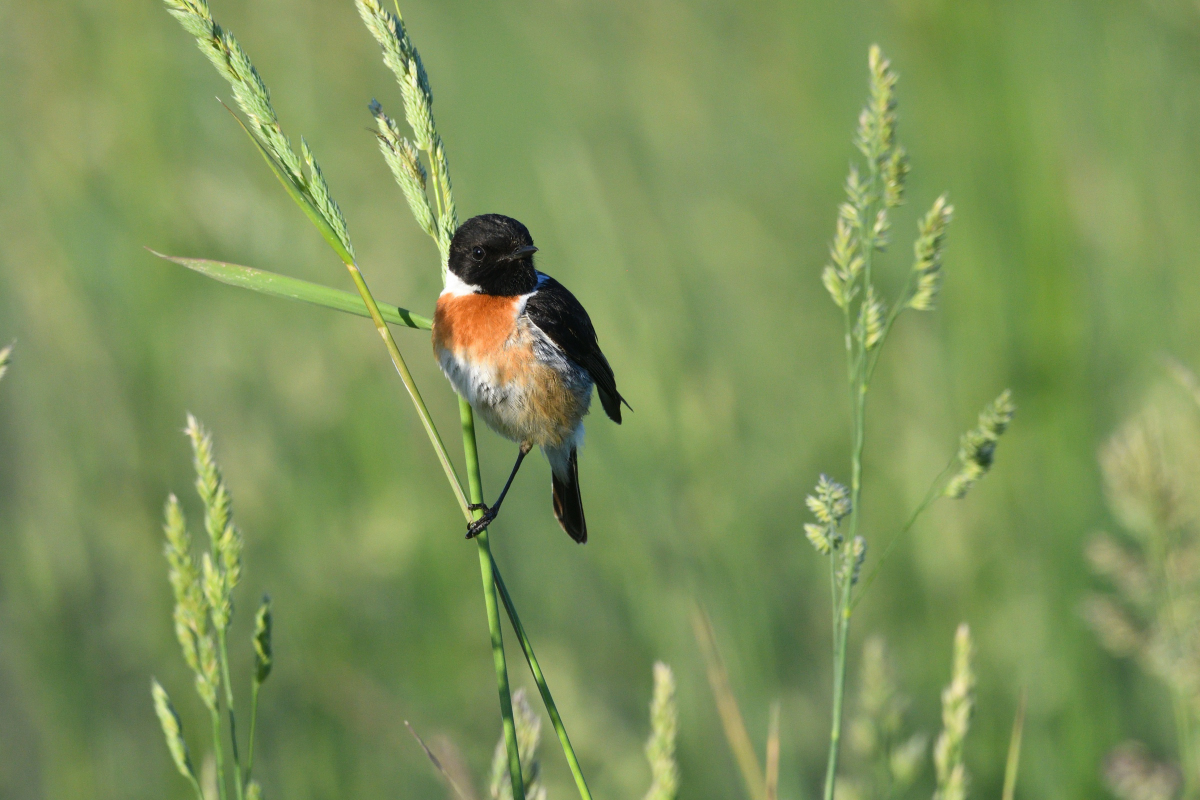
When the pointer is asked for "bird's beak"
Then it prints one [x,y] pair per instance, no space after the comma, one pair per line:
[522,252]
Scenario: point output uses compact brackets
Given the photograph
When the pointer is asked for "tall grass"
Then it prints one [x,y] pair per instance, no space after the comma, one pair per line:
[204,602]
[1149,611]
[888,757]
[863,233]
[203,590]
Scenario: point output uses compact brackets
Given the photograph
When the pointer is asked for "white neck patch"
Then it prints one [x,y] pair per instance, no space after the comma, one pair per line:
[457,287]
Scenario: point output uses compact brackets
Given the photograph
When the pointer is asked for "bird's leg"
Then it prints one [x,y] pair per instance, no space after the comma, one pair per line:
[489,514]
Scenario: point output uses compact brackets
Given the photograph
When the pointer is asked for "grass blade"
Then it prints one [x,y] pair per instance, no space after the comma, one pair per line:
[436,763]
[727,707]
[276,285]
[772,777]
[1014,750]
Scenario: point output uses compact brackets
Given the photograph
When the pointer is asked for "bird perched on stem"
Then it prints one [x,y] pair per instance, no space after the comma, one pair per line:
[522,351]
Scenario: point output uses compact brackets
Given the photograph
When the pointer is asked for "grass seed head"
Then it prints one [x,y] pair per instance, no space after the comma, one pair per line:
[819,536]
[978,447]
[895,175]
[529,733]
[830,501]
[877,122]
[1132,774]
[222,570]
[402,58]
[172,730]
[1144,491]
[927,252]
[405,163]
[871,315]
[958,700]
[252,97]
[262,641]
[660,748]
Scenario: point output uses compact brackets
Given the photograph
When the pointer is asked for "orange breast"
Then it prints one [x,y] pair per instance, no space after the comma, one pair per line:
[482,330]
[488,355]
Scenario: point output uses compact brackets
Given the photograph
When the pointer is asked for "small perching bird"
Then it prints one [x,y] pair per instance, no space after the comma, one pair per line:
[522,351]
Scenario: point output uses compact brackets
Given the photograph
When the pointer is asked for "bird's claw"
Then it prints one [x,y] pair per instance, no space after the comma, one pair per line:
[477,507]
[480,525]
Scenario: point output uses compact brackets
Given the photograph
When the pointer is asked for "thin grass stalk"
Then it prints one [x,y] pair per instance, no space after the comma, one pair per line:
[437,764]
[223,654]
[869,205]
[839,688]
[309,192]
[728,710]
[401,367]
[218,754]
[254,687]
[772,769]
[931,496]
[1014,750]
[862,229]
[856,355]
[543,687]
[1168,608]
[263,662]
[475,484]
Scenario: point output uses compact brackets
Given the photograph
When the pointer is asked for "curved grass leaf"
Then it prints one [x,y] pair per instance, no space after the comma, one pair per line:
[277,285]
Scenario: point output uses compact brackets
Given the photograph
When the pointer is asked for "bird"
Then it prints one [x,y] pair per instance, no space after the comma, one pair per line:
[518,346]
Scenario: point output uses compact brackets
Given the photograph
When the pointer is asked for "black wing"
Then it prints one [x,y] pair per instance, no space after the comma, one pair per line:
[562,318]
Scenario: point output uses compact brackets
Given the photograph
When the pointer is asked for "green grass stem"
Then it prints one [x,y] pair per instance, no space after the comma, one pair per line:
[730,713]
[488,574]
[223,653]
[931,496]
[254,687]
[218,754]
[856,365]
[1014,750]
[543,687]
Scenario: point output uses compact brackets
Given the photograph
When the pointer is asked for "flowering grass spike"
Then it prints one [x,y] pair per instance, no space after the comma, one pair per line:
[660,748]
[203,608]
[862,234]
[958,701]
[252,97]
[978,447]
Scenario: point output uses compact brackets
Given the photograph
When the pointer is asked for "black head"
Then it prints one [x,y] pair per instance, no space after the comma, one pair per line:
[495,253]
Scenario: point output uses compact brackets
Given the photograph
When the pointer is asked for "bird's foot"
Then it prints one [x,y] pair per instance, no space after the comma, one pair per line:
[477,507]
[480,525]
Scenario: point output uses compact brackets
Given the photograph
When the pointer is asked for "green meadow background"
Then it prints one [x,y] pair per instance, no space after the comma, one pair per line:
[678,163]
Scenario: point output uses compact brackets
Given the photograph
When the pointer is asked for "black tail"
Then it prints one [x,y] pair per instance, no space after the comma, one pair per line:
[568,506]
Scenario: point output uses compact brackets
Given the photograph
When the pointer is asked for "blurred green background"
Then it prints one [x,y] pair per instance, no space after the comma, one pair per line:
[678,164]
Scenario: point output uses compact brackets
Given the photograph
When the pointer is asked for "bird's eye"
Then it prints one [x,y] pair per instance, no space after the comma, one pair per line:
[477,253]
